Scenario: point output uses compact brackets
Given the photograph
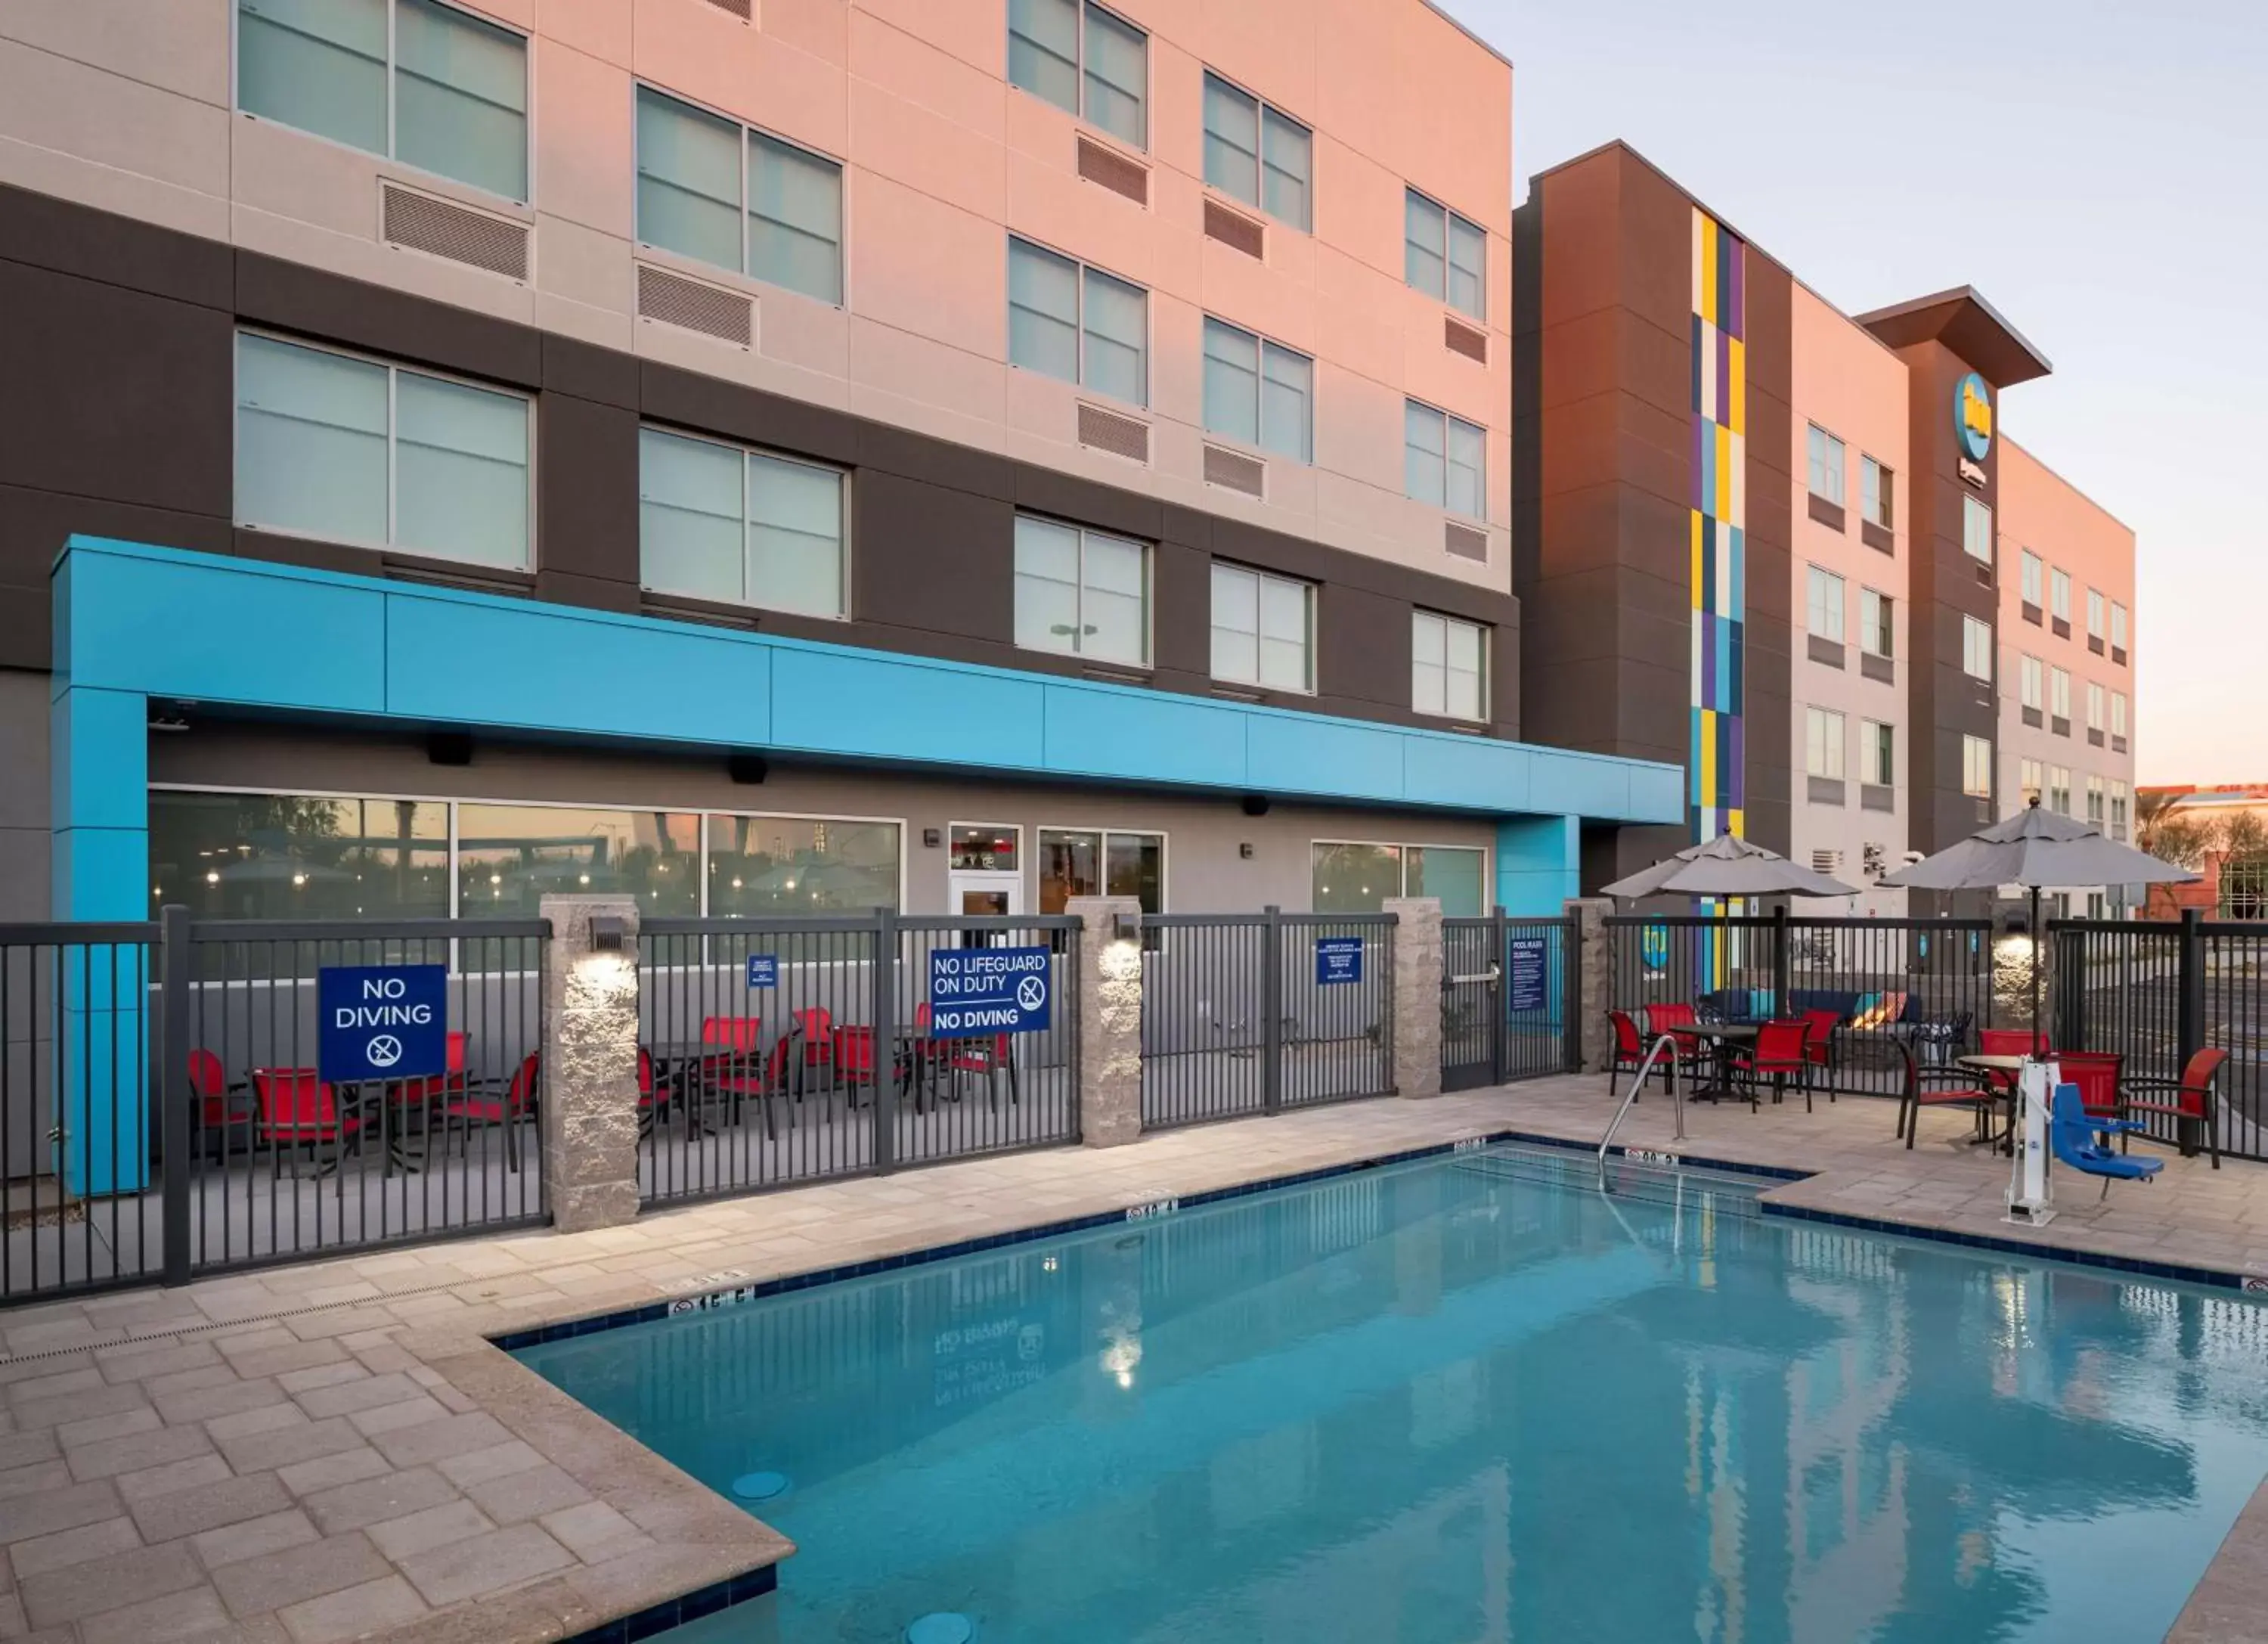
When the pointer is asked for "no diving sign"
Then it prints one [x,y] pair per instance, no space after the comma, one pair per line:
[382,1022]
[978,990]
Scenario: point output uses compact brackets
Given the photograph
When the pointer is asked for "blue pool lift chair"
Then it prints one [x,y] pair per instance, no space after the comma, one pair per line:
[2080,1140]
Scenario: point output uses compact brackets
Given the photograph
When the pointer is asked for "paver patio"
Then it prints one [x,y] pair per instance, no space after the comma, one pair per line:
[335,1451]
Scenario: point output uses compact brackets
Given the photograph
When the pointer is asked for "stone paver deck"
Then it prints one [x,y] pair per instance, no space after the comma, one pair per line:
[335,1451]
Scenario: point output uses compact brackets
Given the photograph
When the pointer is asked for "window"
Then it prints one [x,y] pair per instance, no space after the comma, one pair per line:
[2094,608]
[2028,779]
[2059,789]
[510,856]
[1081,592]
[1448,666]
[1255,153]
[1086,61]
[1822,744]
[1825,601]
[1877,493]
[1259,392]
[2117,713]
[1263,630]
[2033,571]
[716,191]
[275,855]
[2059,693]
[2117,626]
[424,84]
[1352,877]
[1877,753]
[760,866]
[2059,595]
[356,451]
[1445,256]
[1826,466]
[1444,460]
[2094,801]
[1975,530]
[1877,631]
[1078,323]
[2094,707]
[2029,672]
[1977,767]
[1097,862]
[716,522]
[1977,649]
[2117,808]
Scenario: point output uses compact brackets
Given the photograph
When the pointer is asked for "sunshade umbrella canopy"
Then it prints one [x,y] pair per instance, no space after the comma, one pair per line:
[2037,849]
[1727,866]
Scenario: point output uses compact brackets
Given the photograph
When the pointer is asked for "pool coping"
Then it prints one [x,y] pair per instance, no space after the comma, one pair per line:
[743,1587]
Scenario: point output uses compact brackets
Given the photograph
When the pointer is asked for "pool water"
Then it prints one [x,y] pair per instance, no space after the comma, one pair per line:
[1465,1399]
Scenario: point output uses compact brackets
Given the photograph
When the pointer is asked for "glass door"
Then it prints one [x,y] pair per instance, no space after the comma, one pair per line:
[985,873]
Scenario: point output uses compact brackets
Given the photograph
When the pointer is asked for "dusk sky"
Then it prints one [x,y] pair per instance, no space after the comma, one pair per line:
[2097,168]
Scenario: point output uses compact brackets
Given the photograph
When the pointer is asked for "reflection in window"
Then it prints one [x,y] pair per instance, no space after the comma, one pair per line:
[1080,862]
[784,865]
[260,856]
[509,857]
[1458,877]
[1358,877]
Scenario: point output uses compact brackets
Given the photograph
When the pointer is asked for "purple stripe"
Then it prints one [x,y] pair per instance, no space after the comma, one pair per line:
[1735,310]
[1725,377]
[1708,658]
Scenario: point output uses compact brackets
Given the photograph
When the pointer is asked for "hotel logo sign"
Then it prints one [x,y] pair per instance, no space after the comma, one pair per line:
[1972,416]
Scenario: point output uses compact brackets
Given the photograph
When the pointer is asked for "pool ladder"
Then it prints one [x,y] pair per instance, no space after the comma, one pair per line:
[1664,1042]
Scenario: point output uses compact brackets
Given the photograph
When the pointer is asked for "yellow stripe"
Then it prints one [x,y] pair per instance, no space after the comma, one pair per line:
[1699,593]
[1736,367]
[1708,757]
[1737,823]
[1709,269]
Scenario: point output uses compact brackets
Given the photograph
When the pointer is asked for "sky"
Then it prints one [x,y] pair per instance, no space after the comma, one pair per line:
[2097,168]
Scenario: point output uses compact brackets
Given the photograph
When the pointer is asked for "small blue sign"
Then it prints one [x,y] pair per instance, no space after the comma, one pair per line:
[1527,992]
[763,969]
[976,991]
[1337,959]
[1653,947]
[382,1022]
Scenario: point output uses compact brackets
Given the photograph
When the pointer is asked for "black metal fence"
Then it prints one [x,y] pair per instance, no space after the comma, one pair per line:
[163,1114]
[1245,1014]
[2157,992]
[1927,981]
[775,1051]
[1507,993]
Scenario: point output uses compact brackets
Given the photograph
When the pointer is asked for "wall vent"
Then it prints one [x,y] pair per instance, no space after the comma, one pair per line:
[1465,543]
[419,222]
[744,9]
[1107,431]
[675,300]
[1234,471]
[1234,229]
[1828,862]
[1114,170]
[1461,338]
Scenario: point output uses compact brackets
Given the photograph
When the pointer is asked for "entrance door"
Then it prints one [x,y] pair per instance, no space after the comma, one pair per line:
[1472,995]
[985,873]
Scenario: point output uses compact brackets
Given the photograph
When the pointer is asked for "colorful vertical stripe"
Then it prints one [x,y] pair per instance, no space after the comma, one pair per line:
[1717,791]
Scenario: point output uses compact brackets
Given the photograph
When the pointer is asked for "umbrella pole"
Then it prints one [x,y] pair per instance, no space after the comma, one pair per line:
[2039,945]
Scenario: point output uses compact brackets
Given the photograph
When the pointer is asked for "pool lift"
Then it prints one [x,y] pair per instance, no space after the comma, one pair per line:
[2031,1202]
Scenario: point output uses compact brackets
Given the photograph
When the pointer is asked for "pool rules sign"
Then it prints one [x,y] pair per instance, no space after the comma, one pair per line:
[978,990]
[382,1022]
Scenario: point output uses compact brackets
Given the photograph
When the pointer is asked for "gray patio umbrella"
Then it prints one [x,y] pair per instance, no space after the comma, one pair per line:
[2036,848]
[1727,866]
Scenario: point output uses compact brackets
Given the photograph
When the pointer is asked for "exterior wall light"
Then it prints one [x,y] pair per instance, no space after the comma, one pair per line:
[1128,928]
[605,933]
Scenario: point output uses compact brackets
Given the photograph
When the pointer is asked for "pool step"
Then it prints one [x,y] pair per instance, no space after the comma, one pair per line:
[1648,1178]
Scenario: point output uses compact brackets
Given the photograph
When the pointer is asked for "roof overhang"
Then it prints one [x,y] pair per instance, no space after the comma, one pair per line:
[1967,325]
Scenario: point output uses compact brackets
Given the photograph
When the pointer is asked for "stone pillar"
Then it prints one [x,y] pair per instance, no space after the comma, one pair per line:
[590,1066]
[1595,980]
[1417,998]
[1109,1023]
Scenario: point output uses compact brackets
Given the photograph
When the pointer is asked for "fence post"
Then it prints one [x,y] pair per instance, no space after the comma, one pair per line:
[2190,1013]
[173,1087]
[1500,1011]
[1109,1074]
[1271,1009]
[1588,967]
[883,987]
[589,1100]
[1781,968]
[1415,1008]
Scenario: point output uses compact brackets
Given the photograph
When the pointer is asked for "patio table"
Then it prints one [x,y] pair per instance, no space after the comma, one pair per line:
[2011,1070]
[1724,1038]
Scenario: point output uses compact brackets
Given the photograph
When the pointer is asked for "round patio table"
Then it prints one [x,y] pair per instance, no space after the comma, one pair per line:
[2013,1068]
[1724,1037]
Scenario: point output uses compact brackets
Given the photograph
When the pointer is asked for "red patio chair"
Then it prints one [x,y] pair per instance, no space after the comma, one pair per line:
[990,1057]
[293,1108]
[1819,1027]
[212,1111]
[741,1079]
[2008,1041]
[812,1041]
[473,1106]
[2096,1074]
[1628,1052]
[1678,1020]
[1777,1055]
[853,1055]
[1941,1087]
[2188,1097]
[919,1058]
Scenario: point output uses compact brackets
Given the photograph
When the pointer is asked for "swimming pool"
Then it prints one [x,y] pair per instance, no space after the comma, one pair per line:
[1467,1398]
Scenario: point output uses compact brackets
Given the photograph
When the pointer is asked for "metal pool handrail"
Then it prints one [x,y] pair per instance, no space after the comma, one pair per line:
[1676,1098]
